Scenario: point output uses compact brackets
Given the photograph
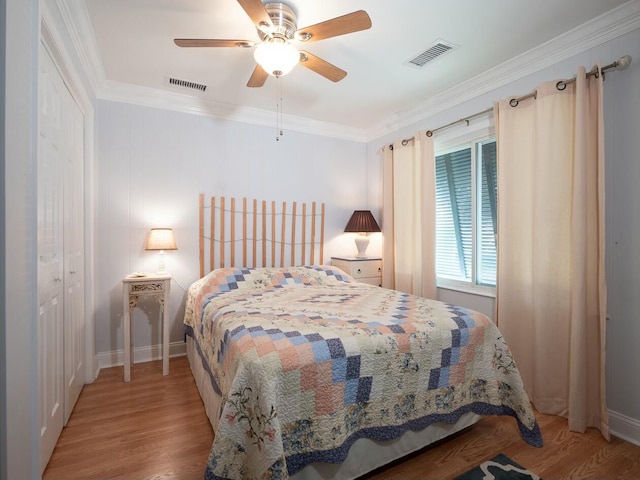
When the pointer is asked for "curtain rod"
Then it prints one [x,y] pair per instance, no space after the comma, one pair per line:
[621,64]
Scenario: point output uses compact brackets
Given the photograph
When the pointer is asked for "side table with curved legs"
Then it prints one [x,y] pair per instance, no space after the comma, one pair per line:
[135,286]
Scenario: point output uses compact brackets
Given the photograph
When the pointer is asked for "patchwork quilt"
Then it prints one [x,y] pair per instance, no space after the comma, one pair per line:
[307,361]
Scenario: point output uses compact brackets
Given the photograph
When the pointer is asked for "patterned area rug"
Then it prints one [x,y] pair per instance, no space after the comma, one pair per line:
[499,467]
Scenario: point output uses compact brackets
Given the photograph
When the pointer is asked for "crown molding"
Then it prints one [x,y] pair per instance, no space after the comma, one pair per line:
[51,40]
[167,100]
[608,26]
[78,25]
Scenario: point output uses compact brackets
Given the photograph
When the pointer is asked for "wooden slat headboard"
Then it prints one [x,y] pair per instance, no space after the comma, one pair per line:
[263,233]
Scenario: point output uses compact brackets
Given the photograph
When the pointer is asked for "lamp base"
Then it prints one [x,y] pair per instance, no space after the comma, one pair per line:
[362,242]
[161,266]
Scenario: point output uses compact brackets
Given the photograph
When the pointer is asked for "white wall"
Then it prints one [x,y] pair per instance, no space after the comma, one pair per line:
[3,283]
[151,166]
[622,143]
[19,258]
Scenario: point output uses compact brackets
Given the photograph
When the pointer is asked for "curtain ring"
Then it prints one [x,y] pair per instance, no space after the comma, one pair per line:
[561,85]
[429,133]
[405,142]
[391,146]
[513,102]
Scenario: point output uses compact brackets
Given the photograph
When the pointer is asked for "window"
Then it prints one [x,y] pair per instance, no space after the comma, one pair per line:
[466,215]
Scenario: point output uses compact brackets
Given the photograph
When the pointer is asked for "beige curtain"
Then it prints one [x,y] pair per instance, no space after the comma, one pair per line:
[551,301]
[408,225]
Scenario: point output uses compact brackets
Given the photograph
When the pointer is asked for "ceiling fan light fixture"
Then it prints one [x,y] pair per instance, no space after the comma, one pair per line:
[276,57]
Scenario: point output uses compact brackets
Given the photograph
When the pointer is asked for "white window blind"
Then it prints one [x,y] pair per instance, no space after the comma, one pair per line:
[488,221]
[466,198]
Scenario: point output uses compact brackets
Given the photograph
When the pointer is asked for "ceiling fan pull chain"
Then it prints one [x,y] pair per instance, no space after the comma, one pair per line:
[281,107]
[279,130]
[277,113]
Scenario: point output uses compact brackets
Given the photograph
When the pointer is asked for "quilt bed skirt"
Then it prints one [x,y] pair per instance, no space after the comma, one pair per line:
[364,456]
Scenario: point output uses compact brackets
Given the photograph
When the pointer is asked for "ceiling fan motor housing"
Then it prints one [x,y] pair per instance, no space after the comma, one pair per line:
[284,21]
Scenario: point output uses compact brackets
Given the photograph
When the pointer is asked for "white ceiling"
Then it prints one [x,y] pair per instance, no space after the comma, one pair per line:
[135,46]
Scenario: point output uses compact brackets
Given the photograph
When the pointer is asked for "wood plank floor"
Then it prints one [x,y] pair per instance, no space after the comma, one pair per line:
[155,428]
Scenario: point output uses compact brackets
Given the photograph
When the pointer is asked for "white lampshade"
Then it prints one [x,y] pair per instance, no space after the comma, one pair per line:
[161,239]
[276,57]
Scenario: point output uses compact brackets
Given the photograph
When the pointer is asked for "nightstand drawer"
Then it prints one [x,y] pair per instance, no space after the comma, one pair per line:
[366,268]
[140,286]
[371,280]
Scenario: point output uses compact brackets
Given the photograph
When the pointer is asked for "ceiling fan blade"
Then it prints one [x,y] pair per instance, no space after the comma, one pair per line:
[322,67]
[211,42]
[258,77]
[349,23]
[256,11]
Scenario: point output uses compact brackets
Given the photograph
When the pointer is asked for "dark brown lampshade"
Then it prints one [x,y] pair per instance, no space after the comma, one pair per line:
[362,221]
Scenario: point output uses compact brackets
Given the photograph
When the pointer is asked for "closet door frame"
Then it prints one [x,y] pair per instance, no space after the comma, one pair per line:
[82,280]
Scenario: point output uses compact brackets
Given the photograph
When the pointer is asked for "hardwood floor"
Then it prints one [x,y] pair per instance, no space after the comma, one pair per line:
[155,428]
[565,454]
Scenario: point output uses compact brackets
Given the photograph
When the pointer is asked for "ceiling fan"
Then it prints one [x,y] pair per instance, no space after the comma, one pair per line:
[277,28]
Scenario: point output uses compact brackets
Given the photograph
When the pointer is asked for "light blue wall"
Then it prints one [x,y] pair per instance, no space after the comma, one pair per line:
[622,144]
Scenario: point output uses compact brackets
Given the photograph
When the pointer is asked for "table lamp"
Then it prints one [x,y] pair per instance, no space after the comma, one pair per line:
[362,222]
[161,239]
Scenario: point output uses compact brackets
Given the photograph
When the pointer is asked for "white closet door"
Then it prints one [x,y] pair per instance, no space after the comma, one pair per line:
[61,334]
[73,214]
[50,258]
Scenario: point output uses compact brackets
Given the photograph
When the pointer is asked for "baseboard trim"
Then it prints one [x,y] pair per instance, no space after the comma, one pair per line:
[149,353]
[624,427]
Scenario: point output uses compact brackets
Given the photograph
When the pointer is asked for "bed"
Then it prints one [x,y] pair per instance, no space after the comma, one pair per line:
[307,374]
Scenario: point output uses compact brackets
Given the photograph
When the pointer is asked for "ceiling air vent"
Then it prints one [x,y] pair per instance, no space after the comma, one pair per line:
[437,49]
[187,84]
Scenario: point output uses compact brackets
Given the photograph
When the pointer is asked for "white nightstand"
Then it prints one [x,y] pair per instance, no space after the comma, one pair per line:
[366,270]
[136,286]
